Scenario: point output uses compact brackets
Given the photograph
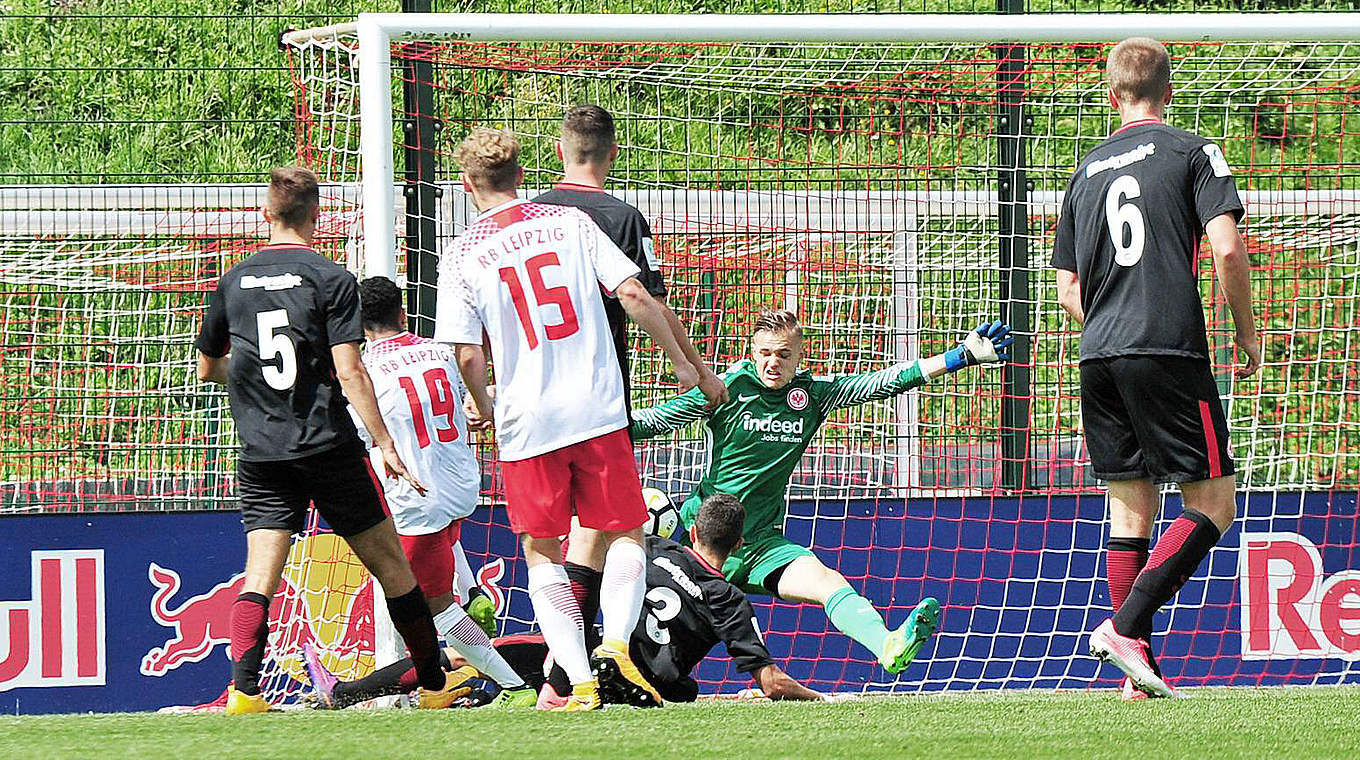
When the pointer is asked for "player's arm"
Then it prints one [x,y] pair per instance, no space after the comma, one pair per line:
[214,342]
[690,406]
[647,313]
[1232,267]
[1064,261]
[358,388]
[778,685]
[472,367]
[985,344]
[1069,294]
[712,386]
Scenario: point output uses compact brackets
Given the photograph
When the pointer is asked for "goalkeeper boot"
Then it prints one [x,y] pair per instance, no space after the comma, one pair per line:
[521,697]
[483,613]
[457,683]
[903,644]
[1129,655]
[323,681]
[620,680]
[585,697]
[240,703]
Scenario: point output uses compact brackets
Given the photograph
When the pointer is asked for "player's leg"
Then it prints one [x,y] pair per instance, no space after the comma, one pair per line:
[470,595]
[272,509]
[1133,513]
[348,495]
[584,564]
[431,558]
[608,496]
[538,496]
[805,579]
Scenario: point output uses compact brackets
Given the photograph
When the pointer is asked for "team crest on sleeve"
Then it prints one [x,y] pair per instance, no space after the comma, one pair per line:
[798,399]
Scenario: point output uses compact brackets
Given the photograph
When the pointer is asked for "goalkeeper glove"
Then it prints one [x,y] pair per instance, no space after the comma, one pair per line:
[983,345]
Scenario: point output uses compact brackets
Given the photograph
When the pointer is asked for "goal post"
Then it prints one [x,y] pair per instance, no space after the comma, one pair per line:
[850,166]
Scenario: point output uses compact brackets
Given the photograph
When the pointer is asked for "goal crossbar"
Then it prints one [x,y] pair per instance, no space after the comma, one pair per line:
[375,32]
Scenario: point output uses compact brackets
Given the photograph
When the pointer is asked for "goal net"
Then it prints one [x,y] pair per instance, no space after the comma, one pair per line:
[895,190]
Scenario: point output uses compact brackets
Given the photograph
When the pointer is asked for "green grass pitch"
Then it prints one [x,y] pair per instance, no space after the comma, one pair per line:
[1291,723]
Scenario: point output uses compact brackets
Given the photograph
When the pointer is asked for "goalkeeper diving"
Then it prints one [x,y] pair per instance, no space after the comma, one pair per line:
[758,437]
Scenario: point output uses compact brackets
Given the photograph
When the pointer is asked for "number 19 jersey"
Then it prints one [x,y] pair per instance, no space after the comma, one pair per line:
[529,275]
[1130,228]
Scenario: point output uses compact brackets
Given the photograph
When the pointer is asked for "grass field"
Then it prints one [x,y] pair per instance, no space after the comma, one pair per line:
[1296,723]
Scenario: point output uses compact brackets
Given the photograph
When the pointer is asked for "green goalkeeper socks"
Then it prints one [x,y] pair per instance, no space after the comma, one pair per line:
[855,617]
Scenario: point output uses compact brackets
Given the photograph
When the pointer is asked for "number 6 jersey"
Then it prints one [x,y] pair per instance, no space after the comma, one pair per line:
[278,313]
[1131,223]
[529,274]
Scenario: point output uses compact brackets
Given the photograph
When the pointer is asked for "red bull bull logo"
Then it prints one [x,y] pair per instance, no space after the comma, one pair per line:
[56,637]
[1290,608]
[325,598]
[488,579]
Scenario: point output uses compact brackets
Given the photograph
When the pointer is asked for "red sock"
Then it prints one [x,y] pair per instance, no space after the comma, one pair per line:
[249,633]
[1124,560]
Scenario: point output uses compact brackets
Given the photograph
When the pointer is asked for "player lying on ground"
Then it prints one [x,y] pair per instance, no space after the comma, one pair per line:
[282,332]
[525,277]
[588,148]
[690,608]
[420,399]
[758,438]
[1125,254]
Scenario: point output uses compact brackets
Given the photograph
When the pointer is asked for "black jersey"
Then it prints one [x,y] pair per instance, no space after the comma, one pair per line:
[1131,223]
[628,228]
[688,609]
[278,313]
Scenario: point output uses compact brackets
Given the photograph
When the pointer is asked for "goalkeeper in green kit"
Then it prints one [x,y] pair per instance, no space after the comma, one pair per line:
[758,437]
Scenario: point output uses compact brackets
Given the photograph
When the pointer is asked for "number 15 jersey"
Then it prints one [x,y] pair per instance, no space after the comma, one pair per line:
[1130,228]
[278,313]
[529,275]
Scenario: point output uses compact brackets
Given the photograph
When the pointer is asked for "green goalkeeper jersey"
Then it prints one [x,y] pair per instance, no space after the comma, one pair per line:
[760,434]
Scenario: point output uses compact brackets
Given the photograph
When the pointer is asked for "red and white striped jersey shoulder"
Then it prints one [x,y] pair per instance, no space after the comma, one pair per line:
[531,276]
[420,397]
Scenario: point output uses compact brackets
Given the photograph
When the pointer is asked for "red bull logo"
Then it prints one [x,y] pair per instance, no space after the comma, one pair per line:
[325,599]
[1290,608]
[488,579]
[56,637]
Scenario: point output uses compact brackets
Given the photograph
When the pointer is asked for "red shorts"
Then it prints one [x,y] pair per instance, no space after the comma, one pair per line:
[431,558]
[597,477]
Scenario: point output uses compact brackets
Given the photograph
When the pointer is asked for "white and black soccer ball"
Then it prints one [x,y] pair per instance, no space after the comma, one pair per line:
[663,519]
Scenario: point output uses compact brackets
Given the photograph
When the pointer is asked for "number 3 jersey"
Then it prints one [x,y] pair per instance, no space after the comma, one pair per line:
[530,274]
[687,610]
[1130,228]
[421,400]
[278,313]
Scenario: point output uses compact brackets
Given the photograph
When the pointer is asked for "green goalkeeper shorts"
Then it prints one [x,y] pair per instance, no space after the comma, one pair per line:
[751,564]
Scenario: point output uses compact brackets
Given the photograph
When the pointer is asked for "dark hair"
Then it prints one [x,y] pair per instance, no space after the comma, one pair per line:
[778,320]
[380,304]
[587,134]
[720,522]
[293,196]
[1139,70]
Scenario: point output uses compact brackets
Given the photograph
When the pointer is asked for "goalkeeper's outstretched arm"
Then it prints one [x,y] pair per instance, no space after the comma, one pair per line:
[680,411]
[776,684]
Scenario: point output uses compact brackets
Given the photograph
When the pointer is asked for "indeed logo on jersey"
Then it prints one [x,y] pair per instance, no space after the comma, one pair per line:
[521,238]
[1121,160]
[276,282]
[775,429]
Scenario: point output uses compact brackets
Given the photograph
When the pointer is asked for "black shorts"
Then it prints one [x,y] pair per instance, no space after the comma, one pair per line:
[1155,417]
[340,482]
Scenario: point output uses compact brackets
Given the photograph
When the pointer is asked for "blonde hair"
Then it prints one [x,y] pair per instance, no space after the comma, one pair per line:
[1139,70]
[490,159]
[778,320]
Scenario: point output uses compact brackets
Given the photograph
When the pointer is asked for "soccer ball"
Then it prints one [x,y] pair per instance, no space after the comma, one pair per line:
[663,519]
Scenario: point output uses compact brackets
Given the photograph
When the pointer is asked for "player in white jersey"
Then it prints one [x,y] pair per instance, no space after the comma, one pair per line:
[419,396]
[527,275]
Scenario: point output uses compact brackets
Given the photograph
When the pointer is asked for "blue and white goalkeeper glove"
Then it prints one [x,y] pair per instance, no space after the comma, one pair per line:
[984,345]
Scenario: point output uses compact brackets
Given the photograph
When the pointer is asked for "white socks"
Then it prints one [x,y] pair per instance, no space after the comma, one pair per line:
[559,617]
[463,578]
[462,633]
[621,589]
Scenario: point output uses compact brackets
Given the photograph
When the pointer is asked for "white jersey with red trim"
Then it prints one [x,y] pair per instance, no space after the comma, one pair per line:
[420,397]
[530,274]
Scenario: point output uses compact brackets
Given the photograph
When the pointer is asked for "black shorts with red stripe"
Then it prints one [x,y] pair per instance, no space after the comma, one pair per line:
[340,482]
[1153,416]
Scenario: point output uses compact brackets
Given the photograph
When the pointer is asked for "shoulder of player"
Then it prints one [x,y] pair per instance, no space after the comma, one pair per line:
[302,262]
